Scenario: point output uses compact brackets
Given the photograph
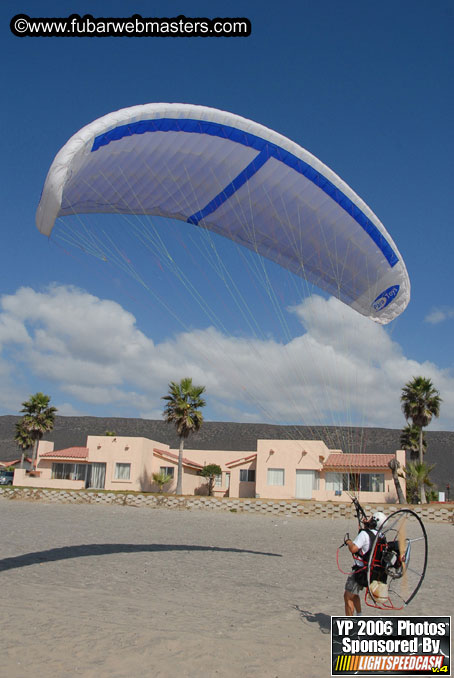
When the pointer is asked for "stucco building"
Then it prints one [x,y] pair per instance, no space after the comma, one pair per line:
[277,469]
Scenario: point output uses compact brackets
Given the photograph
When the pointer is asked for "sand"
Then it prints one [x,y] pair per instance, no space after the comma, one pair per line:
[110,591]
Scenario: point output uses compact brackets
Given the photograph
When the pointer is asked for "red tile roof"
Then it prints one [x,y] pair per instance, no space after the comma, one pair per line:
[242,460]
[12,462]
[68,453]
[174,457]
[356,461]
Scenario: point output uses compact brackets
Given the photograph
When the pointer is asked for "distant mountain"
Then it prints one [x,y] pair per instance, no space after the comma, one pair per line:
[214,435]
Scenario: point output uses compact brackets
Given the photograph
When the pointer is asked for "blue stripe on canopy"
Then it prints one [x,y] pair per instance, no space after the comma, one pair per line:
[266,150]
[229,190]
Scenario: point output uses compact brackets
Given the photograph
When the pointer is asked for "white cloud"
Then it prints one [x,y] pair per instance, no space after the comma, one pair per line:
[341,369]
[10,391]
[439,315]
[68,410]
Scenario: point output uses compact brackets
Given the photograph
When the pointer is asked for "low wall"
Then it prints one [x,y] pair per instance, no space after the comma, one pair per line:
[430,512]
[22,478]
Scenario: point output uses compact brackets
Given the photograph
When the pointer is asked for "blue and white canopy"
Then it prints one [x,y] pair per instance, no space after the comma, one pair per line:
[239,179]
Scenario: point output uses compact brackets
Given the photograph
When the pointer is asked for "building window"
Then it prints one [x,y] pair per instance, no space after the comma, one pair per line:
[342,482]
[377,482]
[247,475]
[276,476]
[352,482]
[69,471]
[218,480]
[168,471]
[334,481]
[372,482]
[365,482]
[122,471]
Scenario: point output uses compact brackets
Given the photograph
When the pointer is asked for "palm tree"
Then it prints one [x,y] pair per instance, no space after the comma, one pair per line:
[409,441]
[210,472]
[23,439]
[420,402]
[183,410]
[161,479]
[394,465]
[38,419]
[417,475]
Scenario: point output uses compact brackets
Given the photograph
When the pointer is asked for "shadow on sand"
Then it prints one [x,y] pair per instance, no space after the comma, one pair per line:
[323,620]
[83,550]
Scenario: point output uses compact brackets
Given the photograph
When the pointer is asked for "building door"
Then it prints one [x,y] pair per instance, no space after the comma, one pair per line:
[304,484]
[96,476]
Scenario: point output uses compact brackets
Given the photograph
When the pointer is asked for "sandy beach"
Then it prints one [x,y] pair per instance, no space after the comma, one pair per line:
[116,592]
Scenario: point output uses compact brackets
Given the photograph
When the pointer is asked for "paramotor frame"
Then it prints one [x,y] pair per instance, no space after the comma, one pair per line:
[398,561]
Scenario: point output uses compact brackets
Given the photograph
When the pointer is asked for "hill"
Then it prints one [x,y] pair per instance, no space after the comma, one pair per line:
[214,435]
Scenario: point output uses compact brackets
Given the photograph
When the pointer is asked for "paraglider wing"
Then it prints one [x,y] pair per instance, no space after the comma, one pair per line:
[239,179]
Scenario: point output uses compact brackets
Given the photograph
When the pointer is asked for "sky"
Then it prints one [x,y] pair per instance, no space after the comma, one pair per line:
[364,86]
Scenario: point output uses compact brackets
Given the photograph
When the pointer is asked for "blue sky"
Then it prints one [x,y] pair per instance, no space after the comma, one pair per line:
[365,87]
